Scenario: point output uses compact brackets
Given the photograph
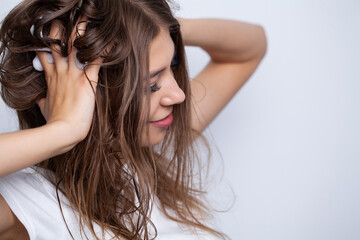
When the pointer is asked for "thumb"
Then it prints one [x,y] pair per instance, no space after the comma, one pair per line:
[41,104]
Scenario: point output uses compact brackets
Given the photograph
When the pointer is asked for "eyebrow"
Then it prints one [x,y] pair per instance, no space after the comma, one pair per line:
[153,74]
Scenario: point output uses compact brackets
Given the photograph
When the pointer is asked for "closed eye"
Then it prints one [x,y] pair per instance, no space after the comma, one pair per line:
[154,87]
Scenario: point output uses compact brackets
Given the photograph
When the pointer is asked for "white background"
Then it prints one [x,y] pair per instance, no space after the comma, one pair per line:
[290,139]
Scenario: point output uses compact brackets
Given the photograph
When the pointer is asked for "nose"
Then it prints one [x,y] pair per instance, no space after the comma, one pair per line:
[173,94]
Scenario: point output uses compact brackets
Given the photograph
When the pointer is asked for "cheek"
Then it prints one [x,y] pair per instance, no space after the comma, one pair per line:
[156,134]
[151,105]
[154,105]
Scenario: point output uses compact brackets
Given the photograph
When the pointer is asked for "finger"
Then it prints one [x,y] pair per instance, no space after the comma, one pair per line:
[92,70]
[46,61]
[55,33]
[78,31]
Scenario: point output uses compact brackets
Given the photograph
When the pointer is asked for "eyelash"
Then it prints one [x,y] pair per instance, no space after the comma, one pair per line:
[154,87]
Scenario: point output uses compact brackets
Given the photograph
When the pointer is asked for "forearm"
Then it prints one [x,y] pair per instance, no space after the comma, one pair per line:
[225,40]
[25,148]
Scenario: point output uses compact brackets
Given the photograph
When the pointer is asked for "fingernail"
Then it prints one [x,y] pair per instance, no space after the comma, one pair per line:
[42,49]
[37,64]
[50,58]
[32,29]
[79,64]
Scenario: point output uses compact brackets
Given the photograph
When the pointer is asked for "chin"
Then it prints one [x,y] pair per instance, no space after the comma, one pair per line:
[155,137]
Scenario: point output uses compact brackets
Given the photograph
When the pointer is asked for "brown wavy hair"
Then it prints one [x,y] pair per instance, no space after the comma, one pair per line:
[109,178]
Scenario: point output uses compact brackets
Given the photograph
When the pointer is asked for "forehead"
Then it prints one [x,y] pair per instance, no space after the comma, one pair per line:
[161,50]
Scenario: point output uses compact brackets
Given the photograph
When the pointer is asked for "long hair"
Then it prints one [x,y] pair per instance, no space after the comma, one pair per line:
[109,178]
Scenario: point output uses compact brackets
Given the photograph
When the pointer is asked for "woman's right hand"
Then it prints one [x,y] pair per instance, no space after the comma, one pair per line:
[70,98]
[68,109]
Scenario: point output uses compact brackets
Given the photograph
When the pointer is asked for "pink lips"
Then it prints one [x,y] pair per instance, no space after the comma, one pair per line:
[166,122]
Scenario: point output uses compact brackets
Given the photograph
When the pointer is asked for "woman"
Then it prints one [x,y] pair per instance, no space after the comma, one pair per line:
[108,117]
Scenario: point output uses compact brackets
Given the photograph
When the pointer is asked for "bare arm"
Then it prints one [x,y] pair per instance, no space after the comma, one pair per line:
[25,148]
[68,109]
[236,49]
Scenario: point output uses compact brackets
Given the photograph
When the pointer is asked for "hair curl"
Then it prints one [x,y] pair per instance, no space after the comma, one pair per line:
[108,177]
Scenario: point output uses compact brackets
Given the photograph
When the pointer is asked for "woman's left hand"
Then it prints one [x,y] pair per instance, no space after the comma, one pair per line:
[236,49]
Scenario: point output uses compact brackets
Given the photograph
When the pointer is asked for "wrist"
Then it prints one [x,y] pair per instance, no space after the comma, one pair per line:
[64,134]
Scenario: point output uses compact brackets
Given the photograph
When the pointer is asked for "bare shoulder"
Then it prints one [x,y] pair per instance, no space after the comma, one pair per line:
[10,226]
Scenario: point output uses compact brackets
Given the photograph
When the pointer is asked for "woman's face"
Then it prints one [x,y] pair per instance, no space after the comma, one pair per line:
[165,92]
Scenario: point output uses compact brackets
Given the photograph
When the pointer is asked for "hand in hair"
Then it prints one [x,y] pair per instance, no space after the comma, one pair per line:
[68,109]
[71,91]
[235,48]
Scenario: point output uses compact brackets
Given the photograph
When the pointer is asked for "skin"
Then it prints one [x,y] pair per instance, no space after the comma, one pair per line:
[68,109]
[10,226]
[169,93]
[235,48]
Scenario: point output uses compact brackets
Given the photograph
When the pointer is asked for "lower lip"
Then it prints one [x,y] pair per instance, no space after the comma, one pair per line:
[166,122]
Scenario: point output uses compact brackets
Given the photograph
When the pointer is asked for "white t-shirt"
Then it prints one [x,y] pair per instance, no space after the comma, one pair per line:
[32,198]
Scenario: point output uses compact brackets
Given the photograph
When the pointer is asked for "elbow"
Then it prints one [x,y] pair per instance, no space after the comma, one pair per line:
[261,42]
